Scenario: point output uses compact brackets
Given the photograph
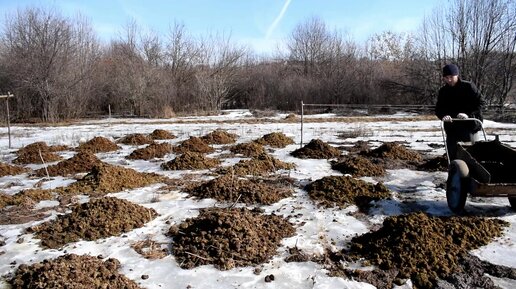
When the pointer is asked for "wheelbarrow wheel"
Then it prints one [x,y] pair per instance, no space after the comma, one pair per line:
[512,201]
[457,186]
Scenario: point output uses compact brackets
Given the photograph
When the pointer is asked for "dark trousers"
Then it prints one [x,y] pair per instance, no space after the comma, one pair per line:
[458,132]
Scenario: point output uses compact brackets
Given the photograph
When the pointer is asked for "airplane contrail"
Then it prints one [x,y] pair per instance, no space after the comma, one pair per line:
[278,19]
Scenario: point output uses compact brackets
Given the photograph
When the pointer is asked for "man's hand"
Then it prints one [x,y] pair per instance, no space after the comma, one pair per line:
[462,116]
[447,118]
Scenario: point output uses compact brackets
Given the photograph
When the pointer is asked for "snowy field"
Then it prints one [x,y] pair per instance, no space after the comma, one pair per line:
[322,228]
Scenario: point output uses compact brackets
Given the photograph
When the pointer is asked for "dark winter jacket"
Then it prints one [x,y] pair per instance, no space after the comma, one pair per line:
[464,97]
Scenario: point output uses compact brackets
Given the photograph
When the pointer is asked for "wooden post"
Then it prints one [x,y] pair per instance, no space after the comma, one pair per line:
[7,96]
[302,114]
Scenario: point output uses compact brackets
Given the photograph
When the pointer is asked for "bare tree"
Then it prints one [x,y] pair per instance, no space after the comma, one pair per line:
[390,46]
[480,37]
[79,77]
[312,44]
[216,72]
[49,59]
[182,54]
[137,82]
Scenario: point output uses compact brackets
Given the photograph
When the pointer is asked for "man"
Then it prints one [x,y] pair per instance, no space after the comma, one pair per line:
[458,99]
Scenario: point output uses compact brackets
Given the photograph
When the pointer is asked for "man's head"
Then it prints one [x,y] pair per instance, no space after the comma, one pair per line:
[451,74]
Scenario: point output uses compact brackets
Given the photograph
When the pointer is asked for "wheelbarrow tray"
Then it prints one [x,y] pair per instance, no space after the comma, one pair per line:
[492,168]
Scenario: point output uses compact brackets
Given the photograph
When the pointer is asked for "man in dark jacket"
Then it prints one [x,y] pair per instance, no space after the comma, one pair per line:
[458,99]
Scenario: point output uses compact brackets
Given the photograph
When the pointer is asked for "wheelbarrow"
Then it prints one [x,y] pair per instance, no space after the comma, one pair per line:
[480,169]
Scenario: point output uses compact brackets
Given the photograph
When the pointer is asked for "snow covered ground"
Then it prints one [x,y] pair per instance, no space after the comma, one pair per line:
[323,228]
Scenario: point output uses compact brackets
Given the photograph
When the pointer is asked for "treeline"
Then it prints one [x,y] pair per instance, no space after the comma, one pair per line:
[58,69]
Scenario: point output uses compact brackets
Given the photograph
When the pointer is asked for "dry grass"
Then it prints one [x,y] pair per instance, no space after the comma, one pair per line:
[360,131]
[149,249]
[307,119]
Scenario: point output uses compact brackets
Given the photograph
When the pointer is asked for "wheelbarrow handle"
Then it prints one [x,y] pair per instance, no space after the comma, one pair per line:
[460,120]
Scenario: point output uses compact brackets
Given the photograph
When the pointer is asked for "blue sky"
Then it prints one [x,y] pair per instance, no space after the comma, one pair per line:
[257,23]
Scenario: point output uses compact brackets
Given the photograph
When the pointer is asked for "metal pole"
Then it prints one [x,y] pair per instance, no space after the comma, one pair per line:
[302,113]
[8,119]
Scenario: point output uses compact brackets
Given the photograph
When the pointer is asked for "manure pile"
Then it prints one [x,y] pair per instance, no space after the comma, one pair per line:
[37,153]
[438,163]
[261,165]
[232,189]
[10,170]
[427,249]
[194,144]
[219,137]
[275,139]
[316,149]
[82,162]
[161,134]
[105,178]
[27,198]
[251,149]
[358,166]
[136,139]
[394,151]
[191,161]
[71,271]
[228,238]
[359,146]
[154,150]
[99,218]
[98,144]
[343,191]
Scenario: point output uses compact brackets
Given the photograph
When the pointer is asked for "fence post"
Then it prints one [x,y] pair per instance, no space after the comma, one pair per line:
[302,113]
[7,96]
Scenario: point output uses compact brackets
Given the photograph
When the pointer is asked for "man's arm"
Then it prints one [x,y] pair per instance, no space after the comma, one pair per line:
[440,108]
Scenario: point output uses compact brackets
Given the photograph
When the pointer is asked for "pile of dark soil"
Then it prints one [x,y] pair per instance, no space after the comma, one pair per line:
[185,180]
[72,271]
[219,136]
[342,191]
[394,151]
[41,146]
[136,139]
[359,146]
[27,198]
[425,248]
[357,166]
[97,219]
[98,144]
[81,162]
[275,139]
[250,149]
[154,150]
[105,178]
[191,161]
[5,200]
[161,134]
[228,238]
[194,144]
[10,170]
[439,163]
[36,153]
[261,165]
[234,189]
[316,149]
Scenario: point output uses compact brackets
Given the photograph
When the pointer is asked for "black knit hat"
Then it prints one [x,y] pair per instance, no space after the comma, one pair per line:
[450,69]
